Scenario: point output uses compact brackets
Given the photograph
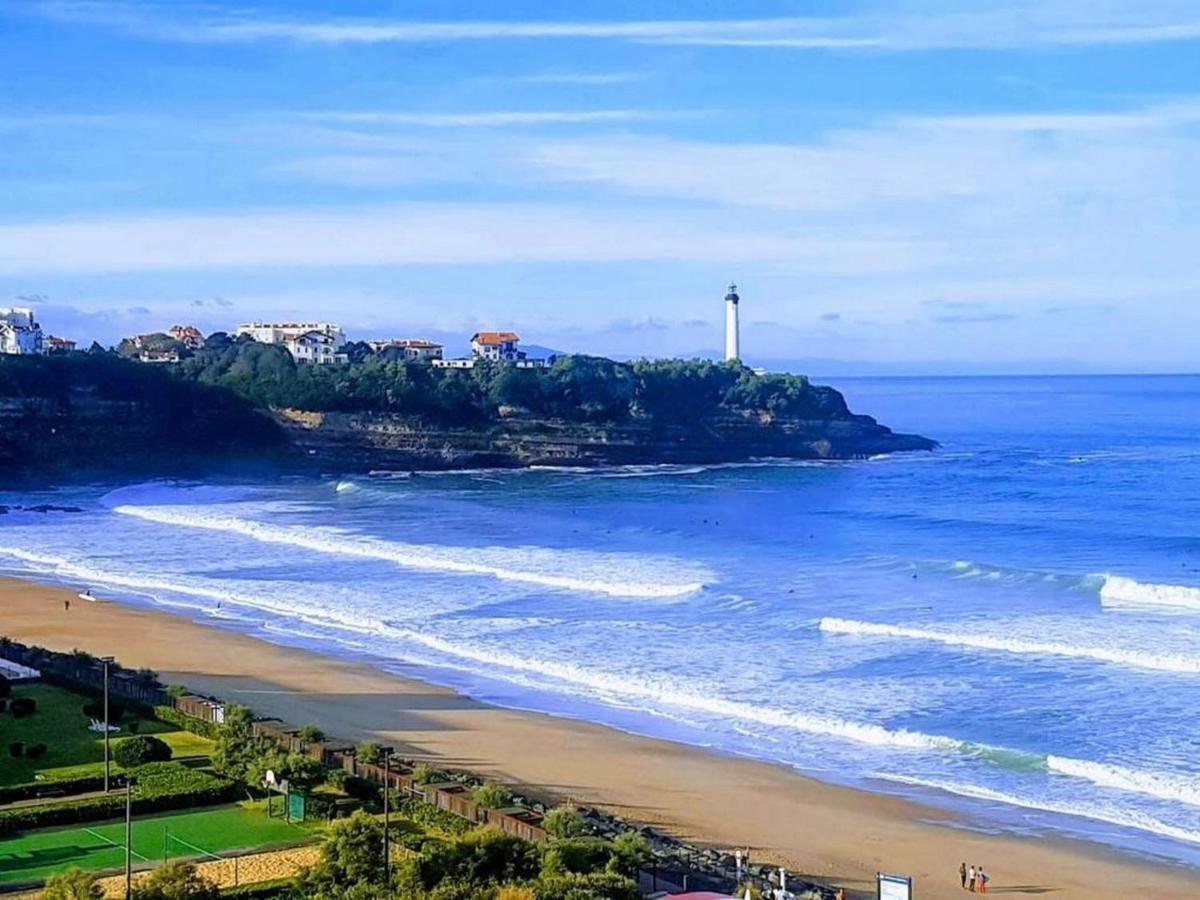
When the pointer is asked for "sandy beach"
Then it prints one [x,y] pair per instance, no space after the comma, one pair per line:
[838,835]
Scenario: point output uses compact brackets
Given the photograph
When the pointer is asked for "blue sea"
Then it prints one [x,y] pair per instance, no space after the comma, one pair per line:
[1008,627]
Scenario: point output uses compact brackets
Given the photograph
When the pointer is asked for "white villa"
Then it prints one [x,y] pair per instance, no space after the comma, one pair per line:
[493,346]
[310,343]
[20,333]
[417,349]
[188,335]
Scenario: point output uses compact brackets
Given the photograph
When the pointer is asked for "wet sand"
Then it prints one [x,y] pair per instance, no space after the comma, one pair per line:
[837,835]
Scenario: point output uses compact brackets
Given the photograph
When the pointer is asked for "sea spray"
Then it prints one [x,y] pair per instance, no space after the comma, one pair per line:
[1120,591]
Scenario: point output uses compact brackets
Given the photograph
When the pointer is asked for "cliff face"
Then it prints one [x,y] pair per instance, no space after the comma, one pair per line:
[345,442]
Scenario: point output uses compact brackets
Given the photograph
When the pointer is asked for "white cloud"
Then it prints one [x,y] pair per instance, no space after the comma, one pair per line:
[486,119]
[908,26]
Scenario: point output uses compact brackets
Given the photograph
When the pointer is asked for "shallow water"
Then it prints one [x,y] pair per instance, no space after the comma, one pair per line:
[1010,625]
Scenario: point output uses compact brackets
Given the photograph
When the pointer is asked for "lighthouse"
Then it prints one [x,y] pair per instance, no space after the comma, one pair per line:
[732,350]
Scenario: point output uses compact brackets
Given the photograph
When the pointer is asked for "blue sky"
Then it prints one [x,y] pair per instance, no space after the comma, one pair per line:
[905,187]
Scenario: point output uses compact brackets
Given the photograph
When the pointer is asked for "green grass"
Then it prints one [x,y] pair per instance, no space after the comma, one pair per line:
[184,746]
[60,724]
[38,854]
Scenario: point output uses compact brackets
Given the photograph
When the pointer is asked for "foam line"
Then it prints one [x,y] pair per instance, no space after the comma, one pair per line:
[1123,818]
[497,562]
[1174,788]
[1131,658]
[1120,591]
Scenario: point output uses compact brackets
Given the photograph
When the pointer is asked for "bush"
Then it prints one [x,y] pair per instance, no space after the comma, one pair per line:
[594,886]
[423,774]
[30,790]
[361,789]
[22,707]
[175,881]
[94,709]
[369,752]
[132,727]
[482,856]
[580,855]
[311,734]
[631,854]
[129,753]
[430,815]
[564,822]
[16,749]
[492,796]
[158,787]
[73,884]
[172,716]
[35,751]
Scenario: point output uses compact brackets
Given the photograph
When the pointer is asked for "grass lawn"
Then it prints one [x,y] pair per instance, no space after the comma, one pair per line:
[36,855]
[60,724]
[184,746]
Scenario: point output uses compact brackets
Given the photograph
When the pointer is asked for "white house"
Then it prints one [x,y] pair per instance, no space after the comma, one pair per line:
[19,331]
[417,349]
[188,335]
[310,343]
[496,345]
[56,345]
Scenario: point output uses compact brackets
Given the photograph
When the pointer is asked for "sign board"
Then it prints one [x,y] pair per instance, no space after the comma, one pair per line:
[893,887]
[295,807]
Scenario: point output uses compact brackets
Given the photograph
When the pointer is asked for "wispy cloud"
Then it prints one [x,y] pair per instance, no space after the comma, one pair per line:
[488,119]
[914,26]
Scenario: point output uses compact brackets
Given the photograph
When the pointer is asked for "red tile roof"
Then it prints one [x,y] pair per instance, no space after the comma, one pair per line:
[488,338]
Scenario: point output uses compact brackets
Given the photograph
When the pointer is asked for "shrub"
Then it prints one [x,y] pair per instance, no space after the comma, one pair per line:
[423,774]
[311,734]
[491,796]
[35,751]
[369,752]
[580,855]
[429,815]
[594,886]
[564,822]
[337,778]
[30,790]
[132,752]
[16,749]
[175,881]
[482,856]
[172,716]
[631,854]
[361,789]
[175,691]
[132,727]
[22,707]
[94,709]
[73,884]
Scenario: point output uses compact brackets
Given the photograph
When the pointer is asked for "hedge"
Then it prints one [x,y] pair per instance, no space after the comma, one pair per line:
[159,787]
[432,816]
[172,716]
[31,790]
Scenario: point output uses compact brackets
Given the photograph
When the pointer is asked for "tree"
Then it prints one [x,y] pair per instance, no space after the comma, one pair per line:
[135,751]
[564,822]
[351,854]
[593,886]
[369,752]
[631,854]
[492,796]
[176,880]
[73,884]
[484,856]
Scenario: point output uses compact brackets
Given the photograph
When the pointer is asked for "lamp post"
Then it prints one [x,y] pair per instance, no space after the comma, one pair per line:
[106,660]
[129,837]
[386,752]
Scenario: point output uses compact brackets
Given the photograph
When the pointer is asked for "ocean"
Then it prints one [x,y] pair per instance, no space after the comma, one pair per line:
[1008,627]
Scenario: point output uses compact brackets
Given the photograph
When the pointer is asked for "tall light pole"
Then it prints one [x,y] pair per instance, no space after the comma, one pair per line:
[106,660]
[128,837]
[387,790]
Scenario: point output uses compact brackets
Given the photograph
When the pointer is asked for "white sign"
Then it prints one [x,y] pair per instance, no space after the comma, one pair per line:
[894,887]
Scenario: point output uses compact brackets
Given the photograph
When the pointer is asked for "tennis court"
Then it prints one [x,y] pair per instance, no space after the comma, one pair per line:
[205,833]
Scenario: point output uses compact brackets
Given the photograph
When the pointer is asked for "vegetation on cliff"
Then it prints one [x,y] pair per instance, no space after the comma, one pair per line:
[574,388]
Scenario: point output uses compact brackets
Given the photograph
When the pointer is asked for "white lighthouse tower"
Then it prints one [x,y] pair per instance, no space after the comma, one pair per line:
[732,348]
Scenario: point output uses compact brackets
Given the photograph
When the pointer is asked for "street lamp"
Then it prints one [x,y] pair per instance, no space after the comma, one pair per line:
[129,836]
[106,660]
[386,752]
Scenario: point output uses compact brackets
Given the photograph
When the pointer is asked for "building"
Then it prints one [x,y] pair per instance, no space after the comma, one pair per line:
[416,349]
[498,346]
[732,346]
[457,363]
[309,343]
[20,333]
[188,335]
[158,355]
[57,346]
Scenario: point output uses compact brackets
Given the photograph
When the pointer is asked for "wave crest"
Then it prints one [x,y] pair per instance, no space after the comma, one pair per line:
[1120,591]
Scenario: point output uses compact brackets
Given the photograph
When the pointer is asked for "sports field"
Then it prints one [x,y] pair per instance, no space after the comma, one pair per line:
[38,854]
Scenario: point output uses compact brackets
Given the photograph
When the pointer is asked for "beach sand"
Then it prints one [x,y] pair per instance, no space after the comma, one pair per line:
[833,834]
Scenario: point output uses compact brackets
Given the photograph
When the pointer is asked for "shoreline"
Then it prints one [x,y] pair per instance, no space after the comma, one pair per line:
[839,835]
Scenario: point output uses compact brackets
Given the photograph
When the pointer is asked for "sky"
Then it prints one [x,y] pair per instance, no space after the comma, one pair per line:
[911,187]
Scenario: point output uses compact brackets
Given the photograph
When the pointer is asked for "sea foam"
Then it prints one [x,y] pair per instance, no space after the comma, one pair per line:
[1119,591]
[1112,816]
[1118,656]
[1169,786]
[591,572]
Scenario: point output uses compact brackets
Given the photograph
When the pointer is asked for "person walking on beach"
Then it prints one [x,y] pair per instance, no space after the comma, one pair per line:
[971,879]
[962,875]
[66,606]
[983,880]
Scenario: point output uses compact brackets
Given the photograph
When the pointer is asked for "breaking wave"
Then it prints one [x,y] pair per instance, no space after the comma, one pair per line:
[1118,656]
[1174,788]
[593,572]
[1123,818]
[1119,591]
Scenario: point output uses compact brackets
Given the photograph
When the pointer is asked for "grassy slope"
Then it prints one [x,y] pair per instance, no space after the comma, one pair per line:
[60,724]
